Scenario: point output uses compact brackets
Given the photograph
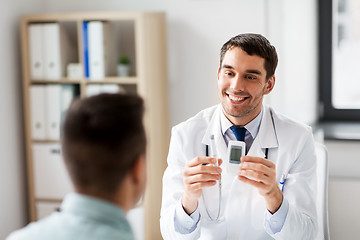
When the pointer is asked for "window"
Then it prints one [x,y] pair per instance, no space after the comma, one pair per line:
[340,59]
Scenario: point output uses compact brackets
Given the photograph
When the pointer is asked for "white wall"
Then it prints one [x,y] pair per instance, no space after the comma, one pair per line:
[196,30]
[12,164]
[292,28]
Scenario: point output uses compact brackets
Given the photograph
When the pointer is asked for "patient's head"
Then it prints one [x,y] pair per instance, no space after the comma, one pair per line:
[104,142]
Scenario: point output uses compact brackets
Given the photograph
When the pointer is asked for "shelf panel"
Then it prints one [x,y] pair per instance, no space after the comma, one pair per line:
[84,16]
[60,81]
[48,200]
[46,141]
[112,80]
[116,80]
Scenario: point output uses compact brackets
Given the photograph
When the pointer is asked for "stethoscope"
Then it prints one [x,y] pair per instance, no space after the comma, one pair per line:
[218,218]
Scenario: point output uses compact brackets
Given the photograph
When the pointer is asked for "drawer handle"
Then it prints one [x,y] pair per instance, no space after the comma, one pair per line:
[55,151]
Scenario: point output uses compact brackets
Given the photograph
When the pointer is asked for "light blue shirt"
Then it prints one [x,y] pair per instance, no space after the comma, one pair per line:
[81,218]
[273,223]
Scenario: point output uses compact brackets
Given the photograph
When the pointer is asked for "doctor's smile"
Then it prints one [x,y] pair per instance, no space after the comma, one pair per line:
[236,100]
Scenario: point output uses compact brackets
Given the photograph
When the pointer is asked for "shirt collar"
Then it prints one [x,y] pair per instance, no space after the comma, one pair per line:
[96,209]
[252,127]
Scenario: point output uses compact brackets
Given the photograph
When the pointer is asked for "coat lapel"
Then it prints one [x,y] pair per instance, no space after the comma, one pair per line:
[266,137]
[214,128]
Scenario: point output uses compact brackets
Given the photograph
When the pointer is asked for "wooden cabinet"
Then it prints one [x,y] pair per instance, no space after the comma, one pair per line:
[139,35]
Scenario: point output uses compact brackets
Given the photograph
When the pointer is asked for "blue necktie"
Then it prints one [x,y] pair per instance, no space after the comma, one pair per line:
[239,132]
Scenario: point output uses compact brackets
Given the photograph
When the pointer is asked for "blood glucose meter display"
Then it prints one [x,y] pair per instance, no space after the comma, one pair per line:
[235,154]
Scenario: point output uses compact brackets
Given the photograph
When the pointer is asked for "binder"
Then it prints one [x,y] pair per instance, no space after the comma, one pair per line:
[50,51]
[102,58]
[37,112]
[53,111]
[50,176]
[36,43]
[110,88]
[93,89]
[68,93]
[96,51]
[86,49]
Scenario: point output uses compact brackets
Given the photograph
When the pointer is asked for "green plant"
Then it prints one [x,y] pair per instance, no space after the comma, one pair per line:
[124,59]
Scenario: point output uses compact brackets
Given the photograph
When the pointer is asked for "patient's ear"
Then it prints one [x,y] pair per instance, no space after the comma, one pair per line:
[139,176]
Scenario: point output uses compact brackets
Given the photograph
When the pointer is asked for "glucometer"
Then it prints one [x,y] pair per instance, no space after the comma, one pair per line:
[236,149]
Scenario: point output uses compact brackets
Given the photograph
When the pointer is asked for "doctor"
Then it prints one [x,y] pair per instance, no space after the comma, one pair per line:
[272,196]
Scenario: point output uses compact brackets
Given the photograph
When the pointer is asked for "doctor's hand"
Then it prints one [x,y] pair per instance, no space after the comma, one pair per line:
[199,172]
[261,173]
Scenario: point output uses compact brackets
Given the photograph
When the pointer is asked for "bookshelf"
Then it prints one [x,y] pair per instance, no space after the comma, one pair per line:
[140,35]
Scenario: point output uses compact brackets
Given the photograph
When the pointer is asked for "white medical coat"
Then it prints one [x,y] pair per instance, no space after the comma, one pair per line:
[291,148]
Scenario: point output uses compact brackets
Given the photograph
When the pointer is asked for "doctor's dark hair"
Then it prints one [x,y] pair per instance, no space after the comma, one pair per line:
[253,44]
[102,137]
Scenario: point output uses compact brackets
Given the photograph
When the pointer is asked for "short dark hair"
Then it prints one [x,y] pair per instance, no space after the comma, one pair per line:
[254,44]
[102,137]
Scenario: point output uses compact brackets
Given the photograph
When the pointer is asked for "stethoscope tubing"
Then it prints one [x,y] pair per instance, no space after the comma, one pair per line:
[219,210]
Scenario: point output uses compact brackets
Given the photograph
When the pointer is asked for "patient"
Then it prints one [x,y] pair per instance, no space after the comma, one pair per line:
[103,146]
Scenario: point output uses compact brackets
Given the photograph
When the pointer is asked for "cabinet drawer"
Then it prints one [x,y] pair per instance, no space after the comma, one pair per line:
[44,209]
[50,176]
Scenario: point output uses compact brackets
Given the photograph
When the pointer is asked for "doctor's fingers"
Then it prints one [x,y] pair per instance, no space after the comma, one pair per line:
[263,188]
[201,169]
[201,178]
[258,177]
[259,185]
[199,185]
[200,160]
[257,167]
[263,161]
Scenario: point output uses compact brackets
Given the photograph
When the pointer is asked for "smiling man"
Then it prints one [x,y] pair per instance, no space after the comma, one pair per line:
[272,194]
